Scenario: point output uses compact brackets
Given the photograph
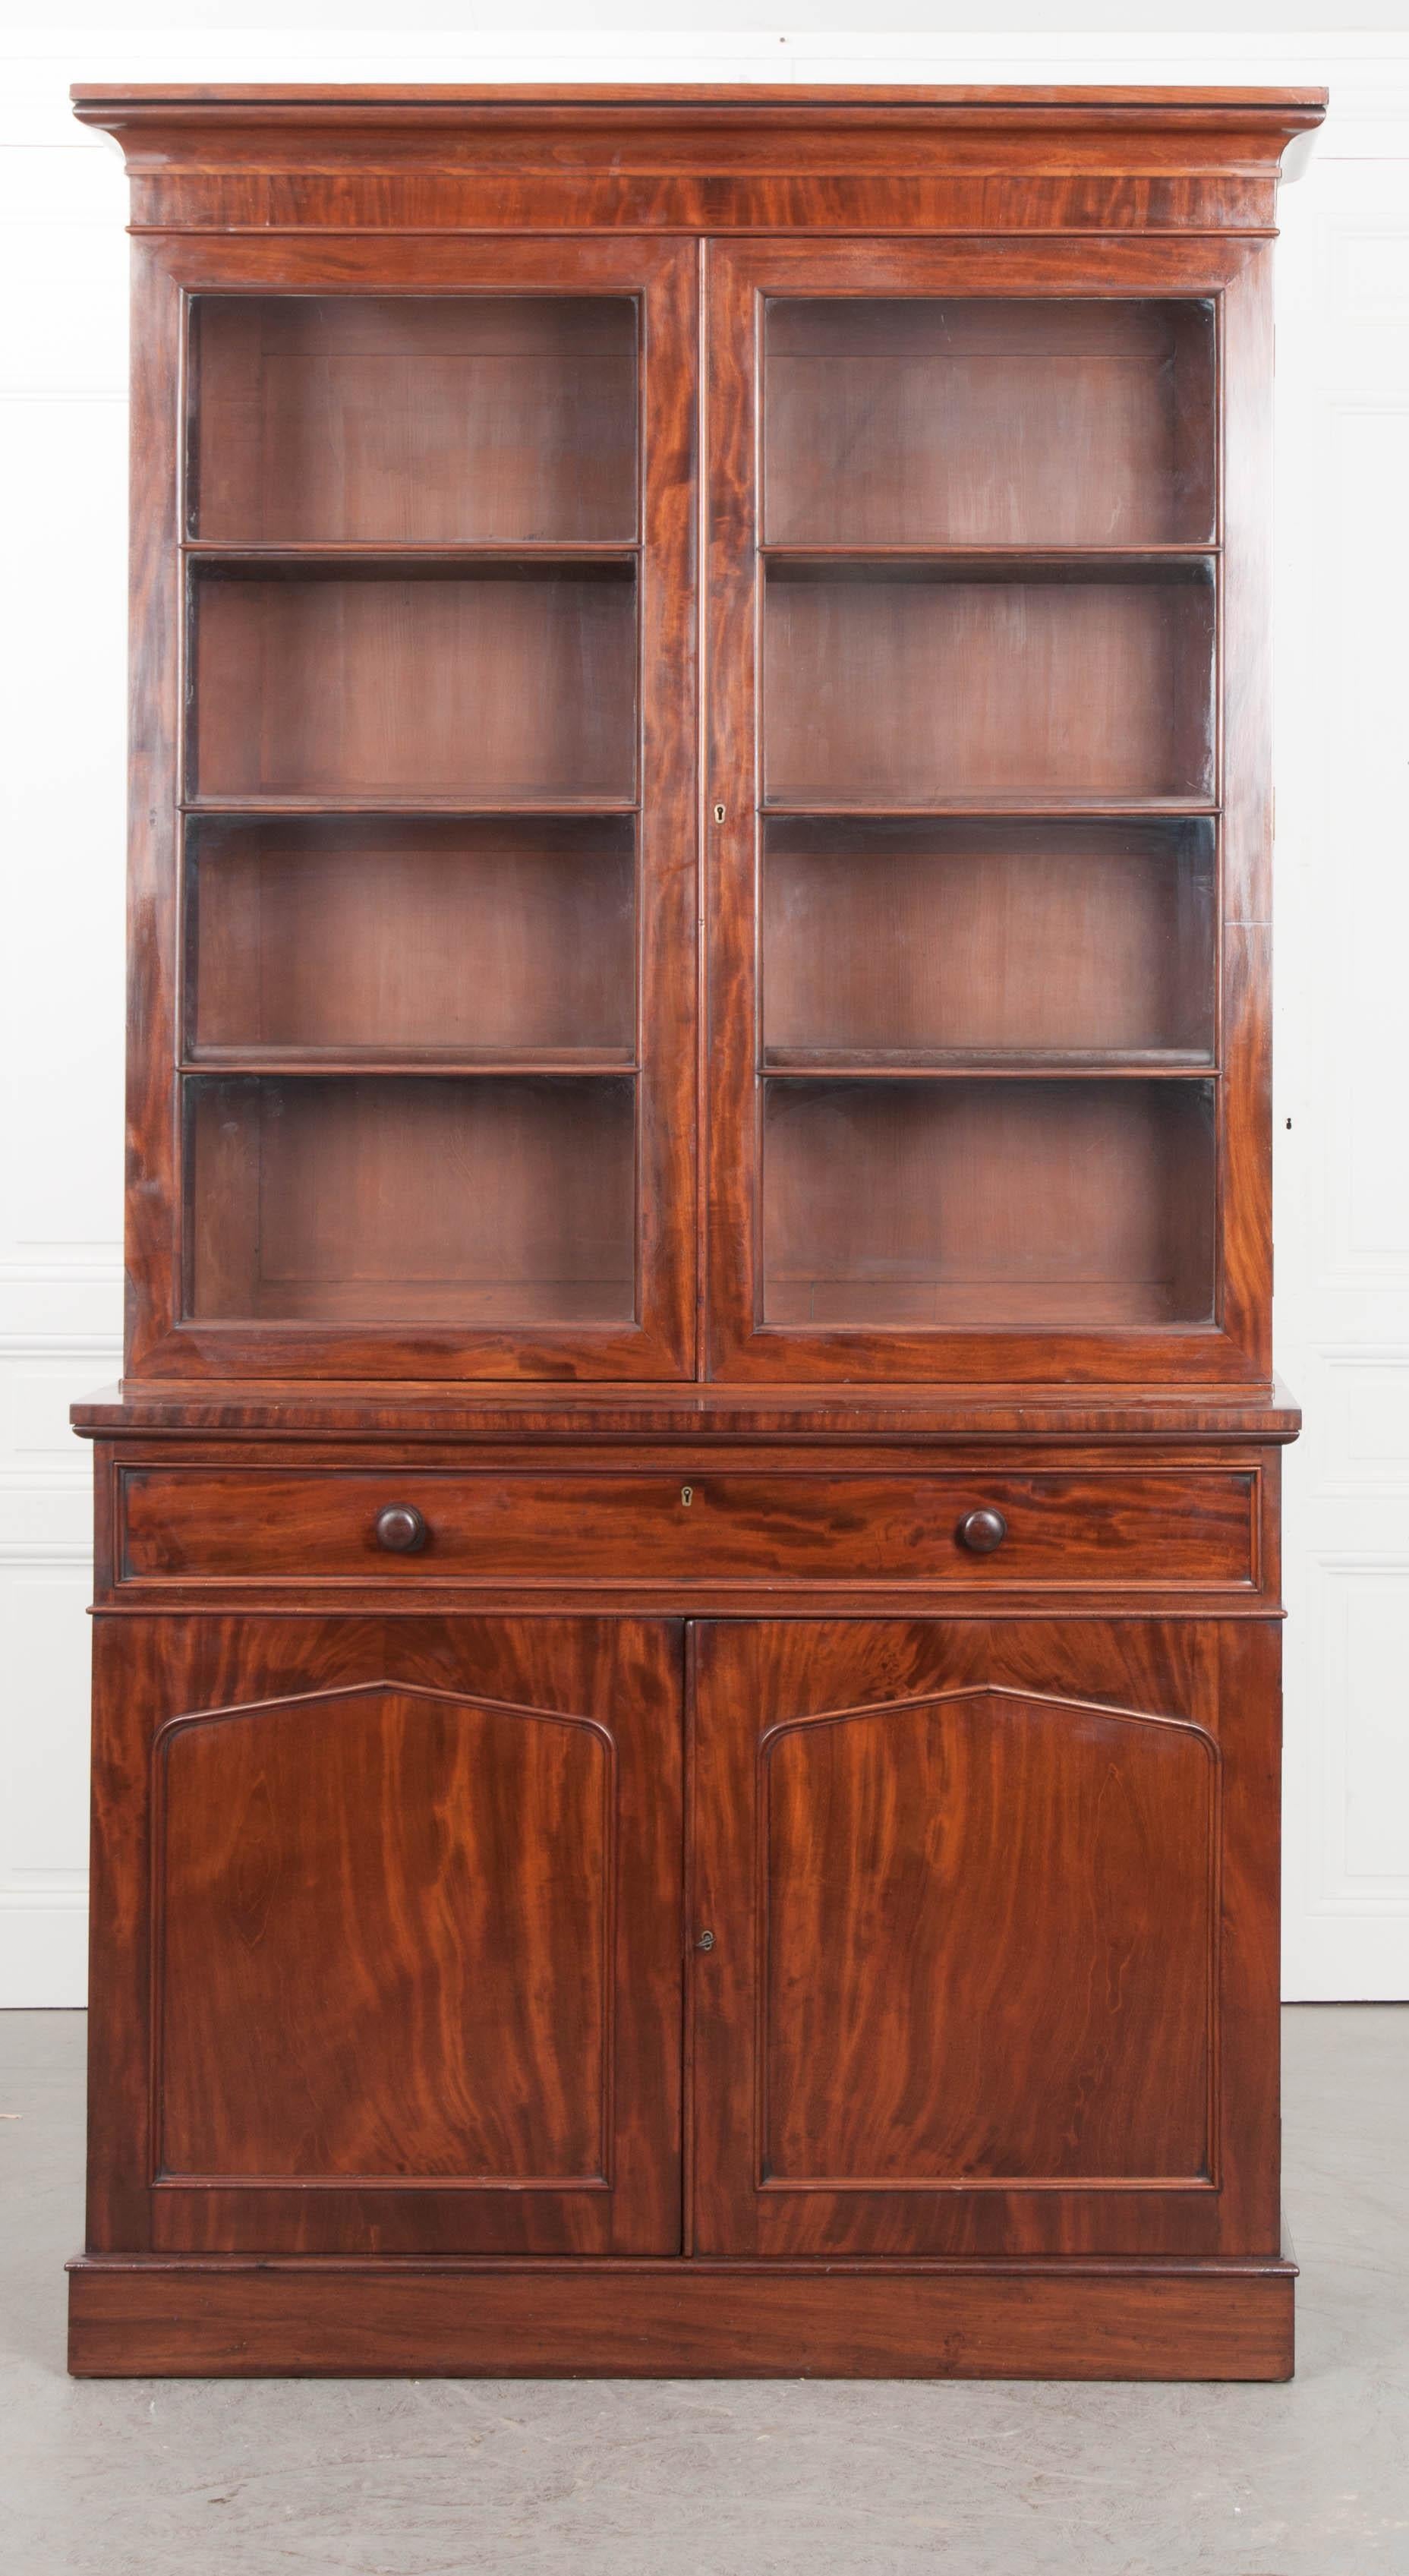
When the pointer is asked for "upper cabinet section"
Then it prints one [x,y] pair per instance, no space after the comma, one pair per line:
[426,581]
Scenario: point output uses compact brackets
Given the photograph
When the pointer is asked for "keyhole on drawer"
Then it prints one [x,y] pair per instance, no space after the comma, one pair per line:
[687,1493]
[719,813]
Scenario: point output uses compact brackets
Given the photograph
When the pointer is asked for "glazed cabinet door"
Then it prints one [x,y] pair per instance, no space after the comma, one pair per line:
[989,1924]
[386,1941]
[414,813]
[989,826]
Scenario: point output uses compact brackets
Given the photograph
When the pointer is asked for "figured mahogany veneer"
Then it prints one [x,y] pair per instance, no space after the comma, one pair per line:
[1091,1531]
[960,1909]
[301,1798]
[1106,2319]
[686,1647]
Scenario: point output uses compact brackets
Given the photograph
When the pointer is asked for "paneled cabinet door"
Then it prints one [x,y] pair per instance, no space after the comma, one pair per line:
[991,1964]
[410,1980]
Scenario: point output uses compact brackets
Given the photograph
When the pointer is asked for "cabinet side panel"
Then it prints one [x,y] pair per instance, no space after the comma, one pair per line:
[154,788]
[1250,1729]
[1245,1143]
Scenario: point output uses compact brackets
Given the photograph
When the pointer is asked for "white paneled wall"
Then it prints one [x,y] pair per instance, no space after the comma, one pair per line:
[63,428]
[1343,1031]
[1343,885]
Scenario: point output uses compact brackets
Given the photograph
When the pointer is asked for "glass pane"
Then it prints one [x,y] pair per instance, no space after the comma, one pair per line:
[430,419]
[908,939]
[371,1200]
[989,422]
[356,934]
[988,1203]
[466,683]
[895,686]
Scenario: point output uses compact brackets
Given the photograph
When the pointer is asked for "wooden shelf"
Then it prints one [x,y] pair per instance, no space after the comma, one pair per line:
[992,563]
[1011,1064]
[373,557]
[444,1061]
[529,801]
[1008,808]
[940,550]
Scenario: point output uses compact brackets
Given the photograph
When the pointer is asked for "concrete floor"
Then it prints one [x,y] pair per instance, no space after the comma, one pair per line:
[714,2478]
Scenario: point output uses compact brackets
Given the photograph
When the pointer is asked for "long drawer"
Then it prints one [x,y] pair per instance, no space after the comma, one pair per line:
[1092,1529]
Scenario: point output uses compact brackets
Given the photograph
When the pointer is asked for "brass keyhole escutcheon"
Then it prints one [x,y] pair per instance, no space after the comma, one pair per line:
[687,1494]
[719,813]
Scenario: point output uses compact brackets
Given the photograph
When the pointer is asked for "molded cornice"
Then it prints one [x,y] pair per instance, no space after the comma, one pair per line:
[707,159]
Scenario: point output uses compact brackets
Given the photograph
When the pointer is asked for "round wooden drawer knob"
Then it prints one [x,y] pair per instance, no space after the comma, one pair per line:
[401,1528]
[982,1531]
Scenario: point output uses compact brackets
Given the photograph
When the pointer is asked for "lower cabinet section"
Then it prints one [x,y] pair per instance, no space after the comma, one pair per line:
[955,1962]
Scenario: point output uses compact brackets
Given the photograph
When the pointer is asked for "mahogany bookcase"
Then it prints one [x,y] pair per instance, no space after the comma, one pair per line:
[686,1616]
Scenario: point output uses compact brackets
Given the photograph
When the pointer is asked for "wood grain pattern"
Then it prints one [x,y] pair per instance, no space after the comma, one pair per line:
[1133,2320]
[1245,1161]
[704,160]
[409,1973]
[995,1413]
[511,202]
[986,1919]
[948,1837]
[1112,1530]
[397,1905]
[152,1199]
